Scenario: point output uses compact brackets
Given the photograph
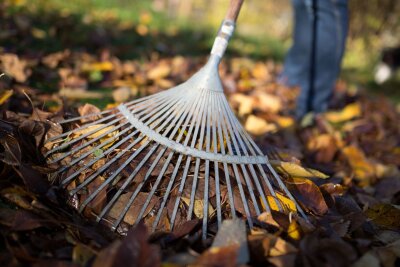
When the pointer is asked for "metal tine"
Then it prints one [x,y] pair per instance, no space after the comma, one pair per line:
[183,113]
[275,175]
[216,169]
[250,143]
[100,170]
[198,113]
[88,133]
[239,136]
[136,192]
[197,166]
[207,170]
[178,163]
[132,175]
[73,162]
[163,111]
[235,170]
[142,111]
[73,151]
[142,99]
[229,116]
[287,192]
[226,171]
[111,178]
[126,183]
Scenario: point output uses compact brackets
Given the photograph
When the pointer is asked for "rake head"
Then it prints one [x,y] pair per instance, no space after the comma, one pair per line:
[167,158]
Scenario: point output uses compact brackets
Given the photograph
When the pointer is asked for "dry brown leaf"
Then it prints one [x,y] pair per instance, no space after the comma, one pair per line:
[198,208]
[384,215]
[121,94]
[15,67]
[308,194]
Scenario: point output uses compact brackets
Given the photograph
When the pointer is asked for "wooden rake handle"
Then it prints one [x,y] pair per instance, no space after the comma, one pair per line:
[234,9]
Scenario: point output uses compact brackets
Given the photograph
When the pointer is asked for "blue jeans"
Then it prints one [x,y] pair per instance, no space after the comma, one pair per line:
[313,62]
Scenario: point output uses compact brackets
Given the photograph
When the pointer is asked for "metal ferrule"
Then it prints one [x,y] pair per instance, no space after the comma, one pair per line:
[221,41]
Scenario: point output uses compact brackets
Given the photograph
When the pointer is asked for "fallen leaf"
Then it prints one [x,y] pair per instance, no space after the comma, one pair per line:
[162,70]
[5,95]
[258,126]
[349,112]
[15,67]
[384,215]
[121,94]
[308,194]
[199,207]
[295,170]
[363,169]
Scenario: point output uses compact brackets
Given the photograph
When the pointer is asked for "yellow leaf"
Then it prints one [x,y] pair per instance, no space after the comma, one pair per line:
[294,230]
[349,112]
[199,207]
[98,66]
[98,132]
[244,102]
[296,170]
[287,204]
[267,102]
[284,122]
[159,72]
[258,126]
[260,71]
[363,169]
[5,95]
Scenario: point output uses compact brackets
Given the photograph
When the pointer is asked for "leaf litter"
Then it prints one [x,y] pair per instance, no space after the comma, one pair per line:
[343,167]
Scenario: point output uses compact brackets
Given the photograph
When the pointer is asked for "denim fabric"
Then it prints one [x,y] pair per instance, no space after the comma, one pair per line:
[332,25]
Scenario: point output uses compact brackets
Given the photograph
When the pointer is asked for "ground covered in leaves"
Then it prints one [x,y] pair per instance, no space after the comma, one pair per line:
[351,201]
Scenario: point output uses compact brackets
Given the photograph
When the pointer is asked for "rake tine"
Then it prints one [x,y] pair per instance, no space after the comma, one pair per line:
[100,170]
[88,124]
[99,146]
[227,177]
[111,178]
[134,194]
[207,172]
[105,166]
[73,151]
[184,114]
[137,191]
[172,179]
[244,171]
[283,187]
[184,175]
[196,169]
[110,110]
[236,174]
[233,121]
[164,108]
[251,143]
[126,183]
[216,170]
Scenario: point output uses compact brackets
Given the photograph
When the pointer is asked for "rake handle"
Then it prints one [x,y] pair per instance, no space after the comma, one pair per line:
[234,9]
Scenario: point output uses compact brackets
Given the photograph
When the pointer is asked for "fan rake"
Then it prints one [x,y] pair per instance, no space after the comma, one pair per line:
[177,154]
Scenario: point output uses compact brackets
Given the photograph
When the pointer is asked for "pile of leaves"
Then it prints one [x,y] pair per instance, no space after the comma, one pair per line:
[351,201]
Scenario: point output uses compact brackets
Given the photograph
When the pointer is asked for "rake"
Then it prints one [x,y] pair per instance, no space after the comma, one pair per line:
[178,154]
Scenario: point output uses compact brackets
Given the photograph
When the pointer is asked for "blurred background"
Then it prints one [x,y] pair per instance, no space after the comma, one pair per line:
[145,29]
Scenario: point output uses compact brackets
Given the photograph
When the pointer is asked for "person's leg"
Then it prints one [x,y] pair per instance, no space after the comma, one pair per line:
[332,23]
[297,59]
